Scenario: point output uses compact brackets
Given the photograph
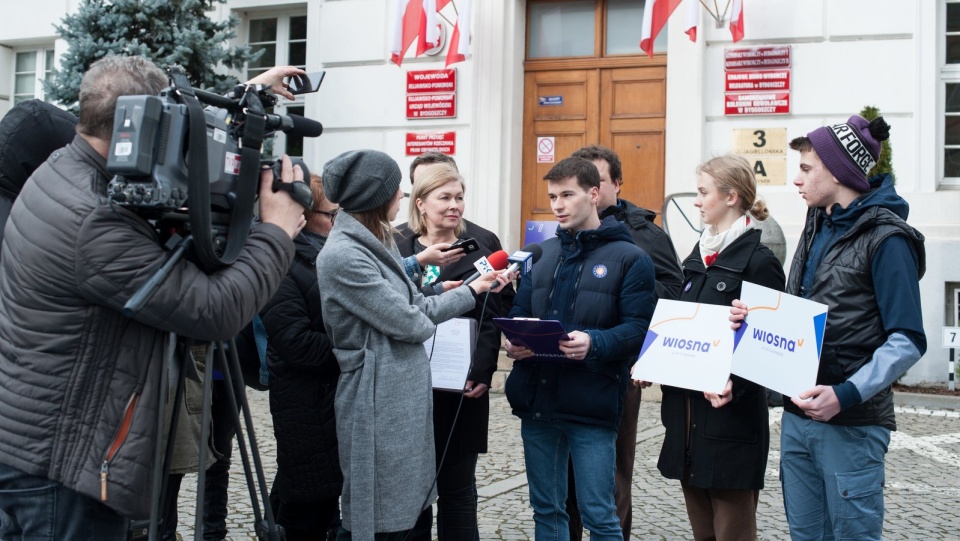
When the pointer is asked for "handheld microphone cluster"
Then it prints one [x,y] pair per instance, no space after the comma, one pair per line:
[521,260]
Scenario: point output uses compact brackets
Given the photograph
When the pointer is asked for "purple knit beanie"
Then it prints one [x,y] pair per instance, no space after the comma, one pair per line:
[850,150]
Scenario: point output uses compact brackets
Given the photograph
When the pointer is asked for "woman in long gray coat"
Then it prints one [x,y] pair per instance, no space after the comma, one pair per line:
[378,321]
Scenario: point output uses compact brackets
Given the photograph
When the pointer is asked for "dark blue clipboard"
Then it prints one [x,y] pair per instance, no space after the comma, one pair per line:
[542,336]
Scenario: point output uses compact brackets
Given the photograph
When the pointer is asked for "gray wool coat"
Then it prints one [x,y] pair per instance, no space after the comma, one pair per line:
[378,321]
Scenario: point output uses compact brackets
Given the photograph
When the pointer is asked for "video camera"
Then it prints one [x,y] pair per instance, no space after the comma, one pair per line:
[158,141]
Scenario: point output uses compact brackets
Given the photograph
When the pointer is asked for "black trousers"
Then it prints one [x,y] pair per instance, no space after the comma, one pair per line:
[456,502]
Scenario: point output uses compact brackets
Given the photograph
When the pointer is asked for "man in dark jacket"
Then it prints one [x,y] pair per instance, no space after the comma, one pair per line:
[79,380]
[600,286]
[858,256]
[653,240]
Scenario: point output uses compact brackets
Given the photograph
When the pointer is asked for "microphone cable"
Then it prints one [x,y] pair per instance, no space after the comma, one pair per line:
[456,415]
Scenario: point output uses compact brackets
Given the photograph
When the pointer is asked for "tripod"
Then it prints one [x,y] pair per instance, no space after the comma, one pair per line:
[224,353]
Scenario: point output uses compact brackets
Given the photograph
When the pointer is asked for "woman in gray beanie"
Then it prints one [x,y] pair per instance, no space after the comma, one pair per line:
[378,320]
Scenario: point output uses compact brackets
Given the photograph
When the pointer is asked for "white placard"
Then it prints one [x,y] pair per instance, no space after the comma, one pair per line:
[779,344]
[452,349]
[546,149]
[688,345]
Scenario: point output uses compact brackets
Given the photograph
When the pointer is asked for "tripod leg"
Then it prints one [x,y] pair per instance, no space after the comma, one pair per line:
[204,439]
[162,464]
[237,394]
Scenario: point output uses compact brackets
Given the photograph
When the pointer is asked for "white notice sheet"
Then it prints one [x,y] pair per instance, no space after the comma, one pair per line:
[452,349]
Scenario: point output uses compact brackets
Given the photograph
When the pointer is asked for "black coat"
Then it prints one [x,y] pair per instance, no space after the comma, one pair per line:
[303,384]
[727,446]
[470,432]
[654,241]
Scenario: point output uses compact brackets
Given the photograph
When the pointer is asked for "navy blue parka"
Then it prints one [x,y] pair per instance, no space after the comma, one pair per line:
[598,282]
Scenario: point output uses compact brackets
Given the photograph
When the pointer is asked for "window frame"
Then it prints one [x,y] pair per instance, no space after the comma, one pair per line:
[281,58]
[40,67]
[949,75]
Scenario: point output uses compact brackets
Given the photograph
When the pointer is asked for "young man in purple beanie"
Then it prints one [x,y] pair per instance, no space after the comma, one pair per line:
[858,256]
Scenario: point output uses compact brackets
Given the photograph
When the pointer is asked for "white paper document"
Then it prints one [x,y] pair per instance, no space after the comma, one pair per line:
[688,345]
[778,345]
[452,349]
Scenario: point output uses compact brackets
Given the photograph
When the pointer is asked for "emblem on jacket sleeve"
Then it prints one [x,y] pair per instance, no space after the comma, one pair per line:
[600,271]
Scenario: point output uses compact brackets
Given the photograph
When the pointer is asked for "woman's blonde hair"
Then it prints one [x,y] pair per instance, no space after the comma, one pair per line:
[316,187]
[733,174]
[430,179]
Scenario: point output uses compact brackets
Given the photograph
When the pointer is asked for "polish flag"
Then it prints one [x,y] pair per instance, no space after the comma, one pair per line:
[693,19]
[429,31]
[460,42]
[405,28]
[655,15]
[736,21]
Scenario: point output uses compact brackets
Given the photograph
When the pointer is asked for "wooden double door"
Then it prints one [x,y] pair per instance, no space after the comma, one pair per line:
[622,108]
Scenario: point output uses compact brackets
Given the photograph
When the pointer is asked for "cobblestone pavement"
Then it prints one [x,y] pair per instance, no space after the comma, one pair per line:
[922,494]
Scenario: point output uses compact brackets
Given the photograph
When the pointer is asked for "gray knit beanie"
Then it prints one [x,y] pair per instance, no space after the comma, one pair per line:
[361,180]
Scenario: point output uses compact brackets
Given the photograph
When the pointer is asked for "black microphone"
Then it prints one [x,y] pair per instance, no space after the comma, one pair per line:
[295,125]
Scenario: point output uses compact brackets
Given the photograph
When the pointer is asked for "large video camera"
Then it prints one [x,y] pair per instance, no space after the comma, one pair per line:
[197,169]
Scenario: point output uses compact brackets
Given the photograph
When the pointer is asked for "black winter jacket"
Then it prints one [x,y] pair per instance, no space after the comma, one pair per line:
[303,382]
[600,283]
[654,241]
[727,446]
[470,432]
[78,379]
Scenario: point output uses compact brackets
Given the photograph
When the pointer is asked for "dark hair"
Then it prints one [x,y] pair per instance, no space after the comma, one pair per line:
[429,158]
[598,152]
[586,173]
[105,81]
[801,144]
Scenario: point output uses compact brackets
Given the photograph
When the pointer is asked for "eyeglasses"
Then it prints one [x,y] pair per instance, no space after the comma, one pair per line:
[329,214]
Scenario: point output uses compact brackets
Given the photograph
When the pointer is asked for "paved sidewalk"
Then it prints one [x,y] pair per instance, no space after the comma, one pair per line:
[922,494]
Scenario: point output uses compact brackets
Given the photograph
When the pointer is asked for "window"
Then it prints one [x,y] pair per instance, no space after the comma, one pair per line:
[950,81]
[31,69]
[568,28]
[284,42]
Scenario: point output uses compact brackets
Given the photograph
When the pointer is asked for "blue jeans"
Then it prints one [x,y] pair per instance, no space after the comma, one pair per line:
[832,479]
[37,508]
[547,447]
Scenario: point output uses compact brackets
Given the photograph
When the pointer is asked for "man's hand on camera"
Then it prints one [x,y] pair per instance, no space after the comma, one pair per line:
[274,77]
[279,208]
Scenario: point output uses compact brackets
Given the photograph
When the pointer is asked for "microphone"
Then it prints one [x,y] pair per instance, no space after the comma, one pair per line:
[497,260]
[524,258]
[295,125]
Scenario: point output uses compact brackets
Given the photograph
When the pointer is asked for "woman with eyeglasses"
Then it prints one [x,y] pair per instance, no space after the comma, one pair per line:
[435,217]
[303,385]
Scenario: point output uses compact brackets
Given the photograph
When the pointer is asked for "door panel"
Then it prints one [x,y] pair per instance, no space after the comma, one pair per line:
[571,123]
[622,108]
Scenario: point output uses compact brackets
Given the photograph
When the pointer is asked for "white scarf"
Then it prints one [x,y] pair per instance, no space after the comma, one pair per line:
[712,243]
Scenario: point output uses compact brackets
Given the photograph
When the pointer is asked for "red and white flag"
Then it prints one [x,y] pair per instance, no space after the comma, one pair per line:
[406,26]
[693,19]
[655,15]
[429,30]
[736,21]
[460,42]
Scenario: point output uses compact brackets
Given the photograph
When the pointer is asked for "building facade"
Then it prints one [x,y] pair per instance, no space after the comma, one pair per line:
[543,78]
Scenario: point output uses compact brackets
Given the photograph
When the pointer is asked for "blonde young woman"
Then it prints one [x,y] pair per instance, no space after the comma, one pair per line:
[436,217]
[716,444]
